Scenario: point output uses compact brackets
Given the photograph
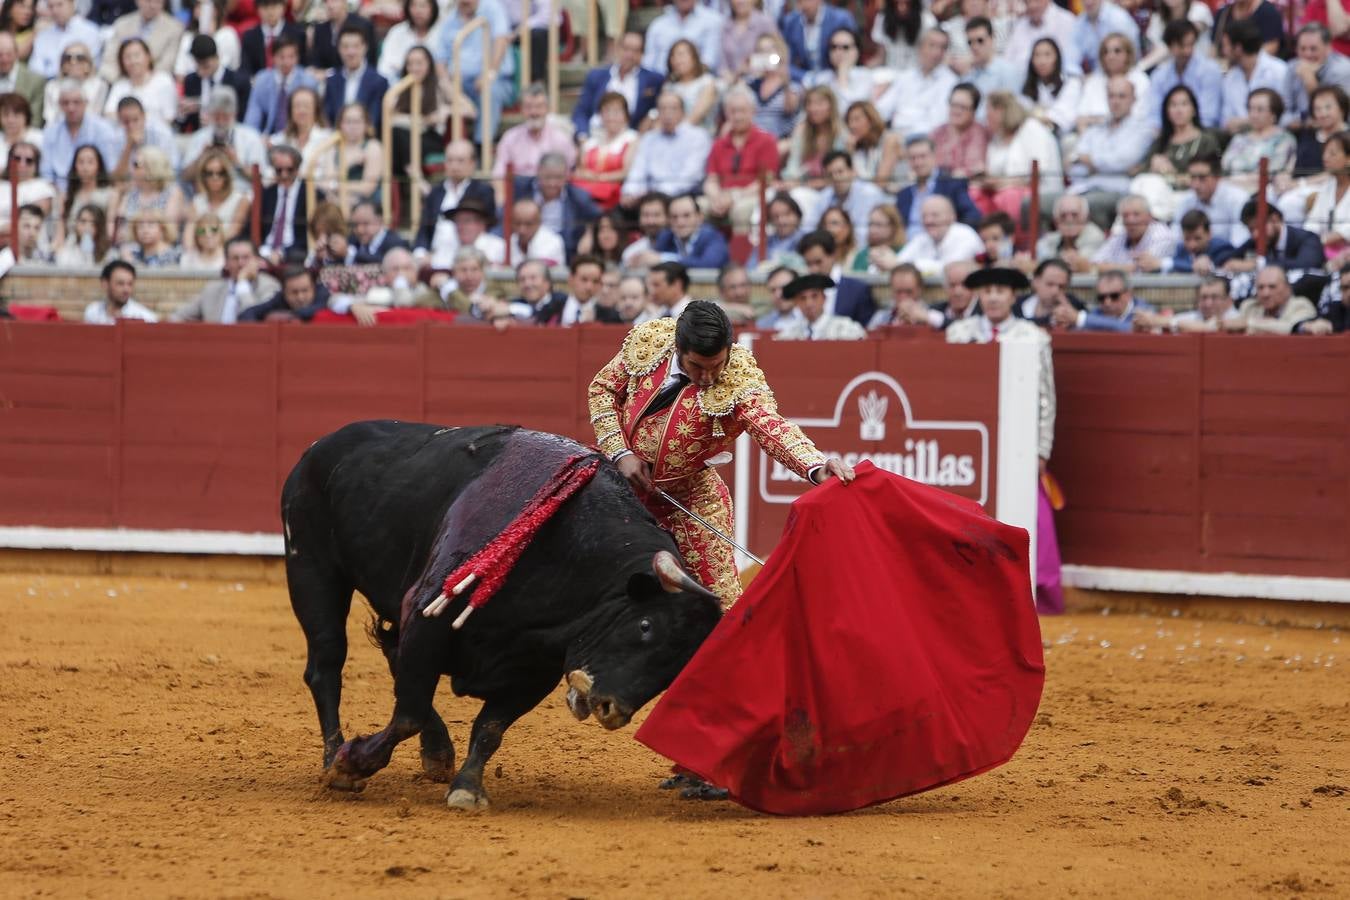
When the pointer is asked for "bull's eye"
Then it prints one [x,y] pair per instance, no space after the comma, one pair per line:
[645,627]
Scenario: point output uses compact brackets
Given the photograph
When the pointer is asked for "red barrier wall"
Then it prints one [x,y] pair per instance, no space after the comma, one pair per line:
[1201,454]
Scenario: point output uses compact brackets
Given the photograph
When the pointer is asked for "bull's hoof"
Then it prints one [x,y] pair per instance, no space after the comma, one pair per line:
[342,781]
[701,790]
[467,800]
[439,765]
[340,775]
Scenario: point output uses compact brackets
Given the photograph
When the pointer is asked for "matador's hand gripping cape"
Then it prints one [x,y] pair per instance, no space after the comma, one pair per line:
[701,423]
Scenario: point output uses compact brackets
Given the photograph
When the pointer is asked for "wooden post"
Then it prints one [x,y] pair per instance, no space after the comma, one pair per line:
[554,53]
[593,33]
[763,215]
[14,212]
[1262,206]
[255,211]
[508,200]
[391,96]
[526,60]
[1034,226]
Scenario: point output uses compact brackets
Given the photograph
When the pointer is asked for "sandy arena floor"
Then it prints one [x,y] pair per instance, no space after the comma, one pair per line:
[161,743]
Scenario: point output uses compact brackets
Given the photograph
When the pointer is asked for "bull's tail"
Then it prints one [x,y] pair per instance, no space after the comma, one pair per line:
[383,633]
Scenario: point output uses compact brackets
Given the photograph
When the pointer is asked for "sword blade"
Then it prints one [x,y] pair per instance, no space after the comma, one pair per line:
[706,524]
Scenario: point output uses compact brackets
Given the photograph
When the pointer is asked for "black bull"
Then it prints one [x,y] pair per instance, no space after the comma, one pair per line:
[373,508]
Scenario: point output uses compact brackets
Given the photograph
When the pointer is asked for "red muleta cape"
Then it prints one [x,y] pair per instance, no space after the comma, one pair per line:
[890,645]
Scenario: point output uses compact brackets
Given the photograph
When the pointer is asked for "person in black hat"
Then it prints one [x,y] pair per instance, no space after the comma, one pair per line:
[809,321]
[996,289]
[473,217]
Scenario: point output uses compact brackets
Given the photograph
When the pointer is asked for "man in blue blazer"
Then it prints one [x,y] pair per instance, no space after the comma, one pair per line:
[1116,307]
[850,297]
[371,85]
[567,209]
[689,241]
[793,26]
[272,88]
[928,181]
[626,73]
[1286,246]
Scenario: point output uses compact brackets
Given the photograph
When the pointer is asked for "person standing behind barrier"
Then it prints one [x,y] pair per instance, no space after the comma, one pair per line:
[118,280]
[996,289]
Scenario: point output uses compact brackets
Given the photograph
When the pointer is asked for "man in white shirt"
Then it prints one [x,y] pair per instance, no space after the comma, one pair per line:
[119,283]
[668,285]
[471,218]
[1043,19]
[1250,67]
[531,239]
[943,239]
[653,218]
[1220,200]
[64,29]
[1107,152]
[916,101]
[684,20]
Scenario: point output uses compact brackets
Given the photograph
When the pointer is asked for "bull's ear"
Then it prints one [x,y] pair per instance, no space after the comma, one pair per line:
[644,586]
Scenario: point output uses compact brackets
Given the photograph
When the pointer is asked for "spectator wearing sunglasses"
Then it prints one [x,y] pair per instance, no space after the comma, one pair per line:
[22,163]
[1116,307]
[218,195]
[64,30]
[76,62]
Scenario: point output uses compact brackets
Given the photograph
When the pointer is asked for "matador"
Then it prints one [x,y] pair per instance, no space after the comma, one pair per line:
[670,405]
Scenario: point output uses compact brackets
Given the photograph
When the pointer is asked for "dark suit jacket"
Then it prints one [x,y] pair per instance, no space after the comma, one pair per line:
[579,210]
[370,94]
[278,303]
[1302,250]
[1043,321]
[954,189]
[853,298]
[299,249]
[793,28]
[1335,312]
[707,249]
[192,90]
[431,209]
[323,48]
[593,88]
[106,12]
[375,254]
[253,49]
[550,311]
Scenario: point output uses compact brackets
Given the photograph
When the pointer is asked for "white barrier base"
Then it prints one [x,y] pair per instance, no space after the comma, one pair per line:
[1208,584]
[138,540]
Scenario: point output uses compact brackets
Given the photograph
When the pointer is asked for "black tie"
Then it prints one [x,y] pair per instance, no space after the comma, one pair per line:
[667,394]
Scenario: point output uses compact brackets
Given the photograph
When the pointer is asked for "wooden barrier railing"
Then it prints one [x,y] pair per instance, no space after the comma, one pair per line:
[255,206]
[1262,206]
[307,170]
[485,123]
[407,84]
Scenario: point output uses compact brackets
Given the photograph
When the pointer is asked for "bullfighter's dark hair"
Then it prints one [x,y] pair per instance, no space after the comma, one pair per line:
[703,328]
[113,266]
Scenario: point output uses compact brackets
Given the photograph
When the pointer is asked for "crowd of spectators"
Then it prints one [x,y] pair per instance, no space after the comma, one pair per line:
[899,146]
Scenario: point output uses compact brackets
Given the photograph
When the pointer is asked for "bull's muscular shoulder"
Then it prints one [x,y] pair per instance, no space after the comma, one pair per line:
[647,346]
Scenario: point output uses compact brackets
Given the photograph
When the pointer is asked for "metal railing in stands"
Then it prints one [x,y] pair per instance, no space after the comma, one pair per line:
[485,86]
[412,85]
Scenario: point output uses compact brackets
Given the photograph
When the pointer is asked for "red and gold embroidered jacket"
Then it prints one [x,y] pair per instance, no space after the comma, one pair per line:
[701,423]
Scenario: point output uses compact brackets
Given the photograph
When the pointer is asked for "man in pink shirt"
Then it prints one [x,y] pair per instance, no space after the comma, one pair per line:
[736,160]
[524,145]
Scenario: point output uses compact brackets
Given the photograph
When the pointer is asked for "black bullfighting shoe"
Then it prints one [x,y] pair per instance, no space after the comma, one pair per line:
[701,790]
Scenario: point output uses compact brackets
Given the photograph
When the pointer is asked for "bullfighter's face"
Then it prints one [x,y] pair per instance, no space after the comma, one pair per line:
[704,370]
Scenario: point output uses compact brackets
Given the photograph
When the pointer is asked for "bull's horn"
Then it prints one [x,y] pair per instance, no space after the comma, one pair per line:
[674,578]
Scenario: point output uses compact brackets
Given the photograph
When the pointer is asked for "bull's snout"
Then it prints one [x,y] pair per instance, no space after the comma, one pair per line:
[610,713]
